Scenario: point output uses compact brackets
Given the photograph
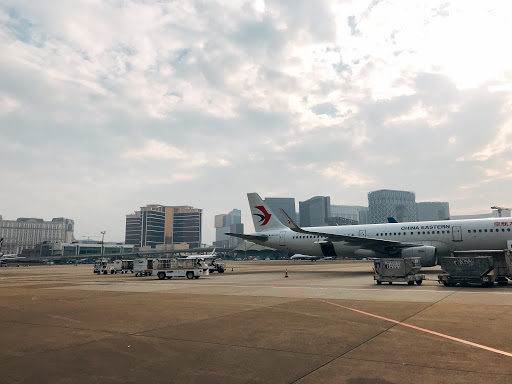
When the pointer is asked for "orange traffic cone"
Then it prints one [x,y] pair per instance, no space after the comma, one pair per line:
[286,273]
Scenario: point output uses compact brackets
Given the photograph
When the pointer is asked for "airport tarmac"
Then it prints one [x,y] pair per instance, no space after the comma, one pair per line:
[328,322]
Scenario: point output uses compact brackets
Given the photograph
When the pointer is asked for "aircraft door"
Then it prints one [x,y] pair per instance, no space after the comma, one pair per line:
[456,234]
[362,233]
[282,236]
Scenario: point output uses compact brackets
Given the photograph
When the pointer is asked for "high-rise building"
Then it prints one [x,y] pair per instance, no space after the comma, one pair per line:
[230,222]
[25,233]
[285,203]
[401,205]
[315,211]
[349,212]
[157,224]
[432,211]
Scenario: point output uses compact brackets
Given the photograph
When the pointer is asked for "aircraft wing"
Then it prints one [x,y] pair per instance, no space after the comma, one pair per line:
[379,245]
[249,237]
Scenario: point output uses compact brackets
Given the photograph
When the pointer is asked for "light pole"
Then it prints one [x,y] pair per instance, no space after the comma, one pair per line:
[102,238]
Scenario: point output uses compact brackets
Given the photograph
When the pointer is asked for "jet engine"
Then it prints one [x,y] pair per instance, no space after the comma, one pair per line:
[427,254]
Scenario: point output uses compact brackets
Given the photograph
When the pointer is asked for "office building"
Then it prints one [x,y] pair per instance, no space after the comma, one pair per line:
[384,203]
[432,211]
[285,203]
[25,233]
[346,214]
[315,211]
[157,224]
[229,222]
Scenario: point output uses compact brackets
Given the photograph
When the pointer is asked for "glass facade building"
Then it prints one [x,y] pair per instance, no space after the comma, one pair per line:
[230,222]
[401,205]
[159,224]
[432,211]
[285,203]
[315,211]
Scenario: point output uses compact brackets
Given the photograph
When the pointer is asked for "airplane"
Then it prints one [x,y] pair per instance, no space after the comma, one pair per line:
[428,240]
[9,257]
[202,257]
[299,256]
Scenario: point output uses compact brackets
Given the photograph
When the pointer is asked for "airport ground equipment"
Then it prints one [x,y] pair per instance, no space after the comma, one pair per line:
[172,267]
[466,269]
[216,266]
[143,266]
[101,266]
[398,270]
[123,266]
[502,260]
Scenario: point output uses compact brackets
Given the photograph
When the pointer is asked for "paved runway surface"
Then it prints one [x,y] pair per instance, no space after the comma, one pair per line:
[326,323]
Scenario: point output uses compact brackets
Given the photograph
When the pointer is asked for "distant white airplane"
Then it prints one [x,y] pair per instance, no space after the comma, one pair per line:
[425,239]
[202,257]
[299,256]
[12,256]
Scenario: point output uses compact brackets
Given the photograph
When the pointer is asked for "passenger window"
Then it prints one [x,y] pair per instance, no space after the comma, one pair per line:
[485,230]
[479,230]
[474,230]
[490,230]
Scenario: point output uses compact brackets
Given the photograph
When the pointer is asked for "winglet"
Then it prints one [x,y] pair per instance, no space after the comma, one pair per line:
[289,222]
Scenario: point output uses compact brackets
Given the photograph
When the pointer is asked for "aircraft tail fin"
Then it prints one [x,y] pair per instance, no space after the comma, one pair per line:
[262,216]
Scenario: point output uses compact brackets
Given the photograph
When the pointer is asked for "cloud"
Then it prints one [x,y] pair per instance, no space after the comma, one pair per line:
[115,105]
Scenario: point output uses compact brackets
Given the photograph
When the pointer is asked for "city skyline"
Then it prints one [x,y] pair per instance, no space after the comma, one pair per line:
[106,106]
[426,211]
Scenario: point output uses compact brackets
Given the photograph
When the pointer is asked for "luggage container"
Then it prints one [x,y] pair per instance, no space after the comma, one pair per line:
[398,270]
[143,266]
[502,262]
[465,269]
[123,266]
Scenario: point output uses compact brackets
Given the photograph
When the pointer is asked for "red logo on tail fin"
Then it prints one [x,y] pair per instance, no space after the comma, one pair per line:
[265,217]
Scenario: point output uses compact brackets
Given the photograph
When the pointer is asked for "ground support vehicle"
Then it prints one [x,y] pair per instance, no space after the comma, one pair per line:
[216,266]
[101,267]
[466,269]
[398,270]
[123,266]
[169,268]
[143,266]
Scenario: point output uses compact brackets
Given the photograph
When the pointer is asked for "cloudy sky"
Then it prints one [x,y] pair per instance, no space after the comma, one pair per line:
[109,105]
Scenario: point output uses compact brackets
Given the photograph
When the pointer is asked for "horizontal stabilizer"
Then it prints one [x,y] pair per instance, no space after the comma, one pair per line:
[249,237]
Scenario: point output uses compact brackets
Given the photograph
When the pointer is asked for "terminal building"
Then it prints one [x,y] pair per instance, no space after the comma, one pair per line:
[157,224]
[26,233]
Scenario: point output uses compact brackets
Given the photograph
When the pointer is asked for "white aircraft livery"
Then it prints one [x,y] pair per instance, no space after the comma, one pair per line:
[426,239]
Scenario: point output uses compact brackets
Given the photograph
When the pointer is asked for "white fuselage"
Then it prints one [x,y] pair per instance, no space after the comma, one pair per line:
[446,235]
